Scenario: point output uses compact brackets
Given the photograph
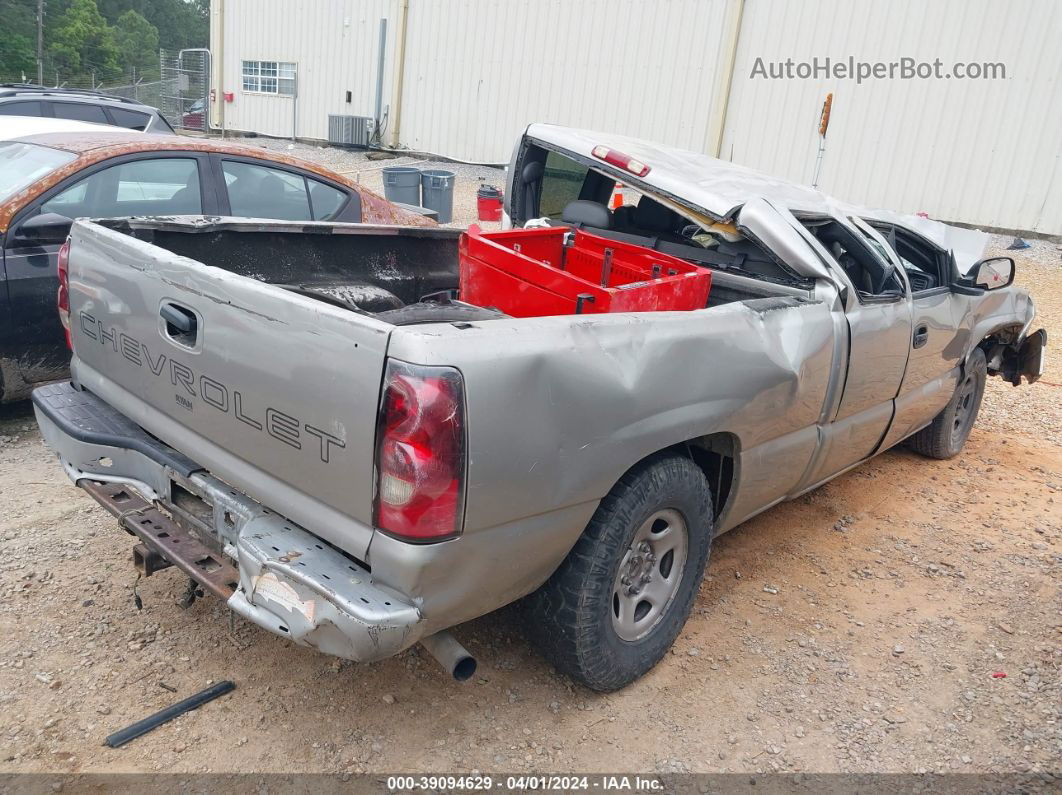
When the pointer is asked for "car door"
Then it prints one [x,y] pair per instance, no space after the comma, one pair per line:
[933,365]
[162,183]
[250,188]
[878,317]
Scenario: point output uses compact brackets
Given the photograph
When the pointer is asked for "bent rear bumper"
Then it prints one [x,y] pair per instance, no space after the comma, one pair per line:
[268,569]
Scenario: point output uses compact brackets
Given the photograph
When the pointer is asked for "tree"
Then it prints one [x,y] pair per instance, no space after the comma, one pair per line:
[137,41]
[18,44]
[180,23]
[86,38]
[82,43]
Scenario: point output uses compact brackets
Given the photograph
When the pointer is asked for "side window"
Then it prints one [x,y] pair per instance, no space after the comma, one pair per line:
[922,264]
[326,200]
[870,272]
[79,111]
[160,186]
[20,109]
[879,249]
[130,119]
[562,182]
[69,202]
[260,192]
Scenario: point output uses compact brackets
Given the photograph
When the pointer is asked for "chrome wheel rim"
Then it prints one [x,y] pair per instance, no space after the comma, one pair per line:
[649,575]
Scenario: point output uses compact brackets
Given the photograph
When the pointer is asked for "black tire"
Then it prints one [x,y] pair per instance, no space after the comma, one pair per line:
[947,434]
[571,617]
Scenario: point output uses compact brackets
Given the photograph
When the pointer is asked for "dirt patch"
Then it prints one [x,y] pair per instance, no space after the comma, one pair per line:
[860,628]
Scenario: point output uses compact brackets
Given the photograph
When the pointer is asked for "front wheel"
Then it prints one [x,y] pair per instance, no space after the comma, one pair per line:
[620,598]
[947,434]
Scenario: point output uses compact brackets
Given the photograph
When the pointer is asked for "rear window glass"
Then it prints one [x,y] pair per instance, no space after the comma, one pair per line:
[561,184]
[79,111]
[129,119]
[20,109]
[23,164]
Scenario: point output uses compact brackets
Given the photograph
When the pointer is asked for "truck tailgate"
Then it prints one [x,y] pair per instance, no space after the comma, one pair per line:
[273,392]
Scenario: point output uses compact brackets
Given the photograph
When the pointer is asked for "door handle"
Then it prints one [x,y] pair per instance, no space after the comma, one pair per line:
[181,324]
[921,336]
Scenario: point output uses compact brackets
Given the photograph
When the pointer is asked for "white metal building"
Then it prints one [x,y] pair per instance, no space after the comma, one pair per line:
[462,78]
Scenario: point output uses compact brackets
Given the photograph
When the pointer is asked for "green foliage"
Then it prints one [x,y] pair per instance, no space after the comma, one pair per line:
[108,38]
[138,42]
[18,42]
[83,43]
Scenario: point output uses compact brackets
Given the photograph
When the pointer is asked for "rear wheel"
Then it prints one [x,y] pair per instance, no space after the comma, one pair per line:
[947,434]
[619,600]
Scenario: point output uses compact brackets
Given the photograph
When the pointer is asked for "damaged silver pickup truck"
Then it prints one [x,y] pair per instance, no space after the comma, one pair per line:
[299,419]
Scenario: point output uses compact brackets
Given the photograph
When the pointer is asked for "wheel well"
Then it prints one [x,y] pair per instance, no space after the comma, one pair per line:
[716,455]
[1001,354]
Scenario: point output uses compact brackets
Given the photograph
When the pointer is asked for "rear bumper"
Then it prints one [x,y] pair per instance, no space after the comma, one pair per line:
[267,568]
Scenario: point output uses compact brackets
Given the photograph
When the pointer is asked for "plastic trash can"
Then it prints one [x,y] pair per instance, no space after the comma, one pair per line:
[402,184]
[489,203]
[437,187]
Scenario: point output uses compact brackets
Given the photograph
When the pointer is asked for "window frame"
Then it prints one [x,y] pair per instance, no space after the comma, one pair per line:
[207,191]
[348,212]
[279,72]
[807,220]
[945,263]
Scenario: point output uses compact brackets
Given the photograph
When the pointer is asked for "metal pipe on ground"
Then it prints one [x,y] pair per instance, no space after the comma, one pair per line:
[168,714]
[451,655]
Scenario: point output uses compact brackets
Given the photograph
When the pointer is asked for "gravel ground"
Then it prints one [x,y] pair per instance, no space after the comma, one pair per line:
[863,627]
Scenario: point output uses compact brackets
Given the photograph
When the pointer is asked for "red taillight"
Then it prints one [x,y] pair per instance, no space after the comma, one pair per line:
[420,453]
[620,160]
[63,297]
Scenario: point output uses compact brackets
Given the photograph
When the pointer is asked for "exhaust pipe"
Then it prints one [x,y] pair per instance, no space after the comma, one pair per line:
[451,655]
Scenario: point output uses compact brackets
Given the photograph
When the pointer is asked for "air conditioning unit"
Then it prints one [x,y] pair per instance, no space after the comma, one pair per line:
[351,130]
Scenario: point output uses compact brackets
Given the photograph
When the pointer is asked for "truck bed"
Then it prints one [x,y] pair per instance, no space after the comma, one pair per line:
[376,268]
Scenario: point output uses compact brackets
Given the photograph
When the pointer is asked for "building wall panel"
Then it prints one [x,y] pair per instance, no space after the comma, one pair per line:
[478,71]
[975,151]
[334,44]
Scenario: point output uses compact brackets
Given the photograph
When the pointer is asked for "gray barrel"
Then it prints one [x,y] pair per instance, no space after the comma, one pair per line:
[437,188]
[402,184]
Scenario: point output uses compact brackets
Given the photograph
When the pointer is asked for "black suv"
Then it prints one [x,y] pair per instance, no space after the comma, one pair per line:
[18,99]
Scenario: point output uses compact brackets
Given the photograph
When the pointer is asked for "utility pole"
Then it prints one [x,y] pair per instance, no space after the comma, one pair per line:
[40,42]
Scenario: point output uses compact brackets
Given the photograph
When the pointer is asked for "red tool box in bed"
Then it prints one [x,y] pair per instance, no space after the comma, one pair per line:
[531,273]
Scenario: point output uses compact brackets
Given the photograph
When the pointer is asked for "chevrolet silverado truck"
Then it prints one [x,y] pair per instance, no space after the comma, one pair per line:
[302,420]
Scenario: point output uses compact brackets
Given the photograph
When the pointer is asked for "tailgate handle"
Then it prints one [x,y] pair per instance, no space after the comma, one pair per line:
[180,322]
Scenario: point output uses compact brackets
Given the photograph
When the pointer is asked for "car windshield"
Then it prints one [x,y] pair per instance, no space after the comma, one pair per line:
[22,164]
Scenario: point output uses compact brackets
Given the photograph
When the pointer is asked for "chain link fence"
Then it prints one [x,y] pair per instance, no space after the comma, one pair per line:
[178,87]
[185,88]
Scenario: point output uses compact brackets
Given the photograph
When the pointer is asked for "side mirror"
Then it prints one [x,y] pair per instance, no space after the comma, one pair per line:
[993,273]
[44,229]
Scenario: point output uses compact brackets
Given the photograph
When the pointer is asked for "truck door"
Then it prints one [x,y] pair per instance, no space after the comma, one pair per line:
[933,368]
[877,310]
